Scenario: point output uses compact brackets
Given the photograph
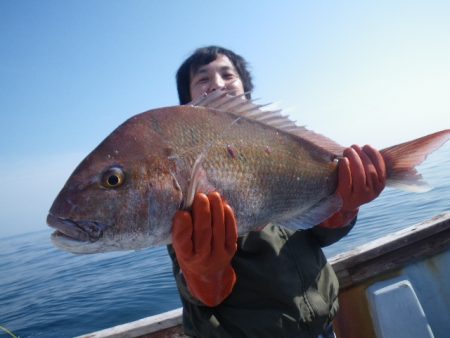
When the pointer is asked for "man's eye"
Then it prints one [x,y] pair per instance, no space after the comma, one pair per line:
[228,76]
[202,80]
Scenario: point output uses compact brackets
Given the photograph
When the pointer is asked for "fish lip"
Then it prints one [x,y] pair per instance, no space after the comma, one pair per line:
[82,231]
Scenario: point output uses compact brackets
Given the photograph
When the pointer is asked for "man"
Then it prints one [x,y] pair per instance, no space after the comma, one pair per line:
[273,282]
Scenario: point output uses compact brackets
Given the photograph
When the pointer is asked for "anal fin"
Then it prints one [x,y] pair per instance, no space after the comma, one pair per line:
[317,214]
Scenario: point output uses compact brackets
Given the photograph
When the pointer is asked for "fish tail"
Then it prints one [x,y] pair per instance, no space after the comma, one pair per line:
[401,161]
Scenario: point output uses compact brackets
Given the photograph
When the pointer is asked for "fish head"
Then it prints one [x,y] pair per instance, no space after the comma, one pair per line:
[122,196]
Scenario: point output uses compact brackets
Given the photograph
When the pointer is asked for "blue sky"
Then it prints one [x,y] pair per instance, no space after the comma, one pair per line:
[71,71]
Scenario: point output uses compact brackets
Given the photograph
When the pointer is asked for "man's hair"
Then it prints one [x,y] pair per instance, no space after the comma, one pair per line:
[203,56]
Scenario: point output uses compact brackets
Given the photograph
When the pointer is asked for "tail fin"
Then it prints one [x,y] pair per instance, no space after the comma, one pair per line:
[402,159]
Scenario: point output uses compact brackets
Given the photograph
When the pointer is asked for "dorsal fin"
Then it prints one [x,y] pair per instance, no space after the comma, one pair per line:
[238,105]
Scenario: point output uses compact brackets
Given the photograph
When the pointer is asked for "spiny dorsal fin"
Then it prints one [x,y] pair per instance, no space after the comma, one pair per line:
[240,106]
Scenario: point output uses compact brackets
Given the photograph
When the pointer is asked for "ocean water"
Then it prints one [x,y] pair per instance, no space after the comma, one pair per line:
[45,292]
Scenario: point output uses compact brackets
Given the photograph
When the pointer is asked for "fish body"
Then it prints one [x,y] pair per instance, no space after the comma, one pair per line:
[124,194]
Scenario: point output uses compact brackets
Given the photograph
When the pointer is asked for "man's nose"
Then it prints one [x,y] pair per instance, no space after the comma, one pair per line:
[216,83]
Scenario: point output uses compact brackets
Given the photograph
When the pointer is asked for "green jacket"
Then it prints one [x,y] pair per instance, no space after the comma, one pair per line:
[284,288]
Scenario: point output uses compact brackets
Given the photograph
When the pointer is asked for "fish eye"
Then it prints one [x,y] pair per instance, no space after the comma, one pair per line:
[113,178]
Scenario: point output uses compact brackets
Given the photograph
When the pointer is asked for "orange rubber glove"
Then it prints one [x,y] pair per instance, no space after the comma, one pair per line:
[362,177]
[204,243]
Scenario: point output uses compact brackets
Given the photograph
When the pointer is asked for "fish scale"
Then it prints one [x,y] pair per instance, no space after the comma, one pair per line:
[262,178]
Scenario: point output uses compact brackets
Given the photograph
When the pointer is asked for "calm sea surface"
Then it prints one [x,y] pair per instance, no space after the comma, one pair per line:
[49,293]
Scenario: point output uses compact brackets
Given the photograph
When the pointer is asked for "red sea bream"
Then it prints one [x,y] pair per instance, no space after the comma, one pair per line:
[124,194]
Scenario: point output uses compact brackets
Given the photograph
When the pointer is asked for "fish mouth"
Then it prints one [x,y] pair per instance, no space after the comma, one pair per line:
[81,231]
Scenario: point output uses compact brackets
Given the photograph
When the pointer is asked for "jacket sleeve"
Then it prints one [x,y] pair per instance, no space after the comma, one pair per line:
[328,236]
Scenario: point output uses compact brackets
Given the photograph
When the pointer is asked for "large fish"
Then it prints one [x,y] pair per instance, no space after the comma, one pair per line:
[125,193]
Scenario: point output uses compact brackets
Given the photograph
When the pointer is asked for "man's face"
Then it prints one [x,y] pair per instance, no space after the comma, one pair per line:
[218,74]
